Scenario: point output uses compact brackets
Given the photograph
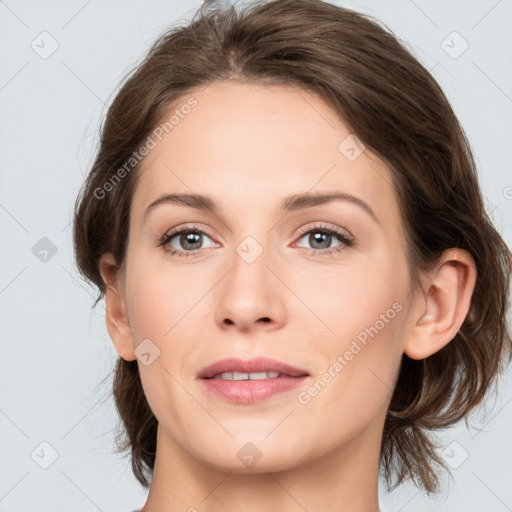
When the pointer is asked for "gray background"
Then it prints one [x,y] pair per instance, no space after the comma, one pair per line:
[55,351]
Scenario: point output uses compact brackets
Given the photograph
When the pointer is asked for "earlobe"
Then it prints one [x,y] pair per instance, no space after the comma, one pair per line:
[116,317]
[446,302]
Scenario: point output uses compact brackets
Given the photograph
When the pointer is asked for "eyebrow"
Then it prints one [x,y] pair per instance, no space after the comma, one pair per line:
[289,204]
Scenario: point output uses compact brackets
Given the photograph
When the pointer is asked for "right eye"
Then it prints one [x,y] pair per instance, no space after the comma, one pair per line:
[189,238]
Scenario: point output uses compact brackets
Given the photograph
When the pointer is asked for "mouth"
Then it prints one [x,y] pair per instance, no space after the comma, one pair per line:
[247,382]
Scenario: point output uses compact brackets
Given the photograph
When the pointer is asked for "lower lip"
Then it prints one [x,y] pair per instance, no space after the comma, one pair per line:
[250,391]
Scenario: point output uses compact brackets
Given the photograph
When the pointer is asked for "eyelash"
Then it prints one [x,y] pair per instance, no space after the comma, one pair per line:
[346,240]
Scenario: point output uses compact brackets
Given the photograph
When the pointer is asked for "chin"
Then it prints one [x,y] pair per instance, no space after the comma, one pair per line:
[251,453]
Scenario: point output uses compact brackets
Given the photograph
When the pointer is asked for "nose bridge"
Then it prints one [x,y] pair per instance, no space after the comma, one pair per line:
[253,250]
[249,265]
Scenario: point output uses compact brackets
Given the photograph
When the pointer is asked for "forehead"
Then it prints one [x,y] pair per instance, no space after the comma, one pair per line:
[247,143]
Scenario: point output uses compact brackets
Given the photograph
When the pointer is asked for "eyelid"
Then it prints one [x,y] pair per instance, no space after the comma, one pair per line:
[192,227]
[302,231]
[321,226]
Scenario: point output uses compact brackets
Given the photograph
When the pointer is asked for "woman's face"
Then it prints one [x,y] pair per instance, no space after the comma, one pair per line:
[321,285]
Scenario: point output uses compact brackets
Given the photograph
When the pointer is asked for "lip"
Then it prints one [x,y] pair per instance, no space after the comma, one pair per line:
[258,364]
[250,391]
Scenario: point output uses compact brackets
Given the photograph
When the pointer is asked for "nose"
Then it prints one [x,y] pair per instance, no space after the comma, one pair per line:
[251,297]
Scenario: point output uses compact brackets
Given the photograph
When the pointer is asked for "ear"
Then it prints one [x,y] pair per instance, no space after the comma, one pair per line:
[444,305]
[116,318]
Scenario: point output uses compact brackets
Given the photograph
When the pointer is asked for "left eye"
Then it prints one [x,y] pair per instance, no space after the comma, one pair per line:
[323,236]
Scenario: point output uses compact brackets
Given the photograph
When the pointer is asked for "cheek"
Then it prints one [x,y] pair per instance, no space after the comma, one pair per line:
[351,298]
[367,314]
[375,315]
[358,380]
[159,297]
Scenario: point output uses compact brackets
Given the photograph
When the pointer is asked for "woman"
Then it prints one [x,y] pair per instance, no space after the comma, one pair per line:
[259,370]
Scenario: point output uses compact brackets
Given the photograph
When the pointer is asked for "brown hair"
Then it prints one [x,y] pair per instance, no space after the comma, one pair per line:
[397,109]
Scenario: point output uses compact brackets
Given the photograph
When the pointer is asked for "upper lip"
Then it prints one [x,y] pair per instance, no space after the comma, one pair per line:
[258,364]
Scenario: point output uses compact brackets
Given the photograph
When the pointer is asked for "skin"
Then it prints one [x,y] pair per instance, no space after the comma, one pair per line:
[248,146]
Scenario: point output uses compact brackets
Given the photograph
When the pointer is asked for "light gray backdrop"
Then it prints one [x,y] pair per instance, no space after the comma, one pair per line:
[61,63]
